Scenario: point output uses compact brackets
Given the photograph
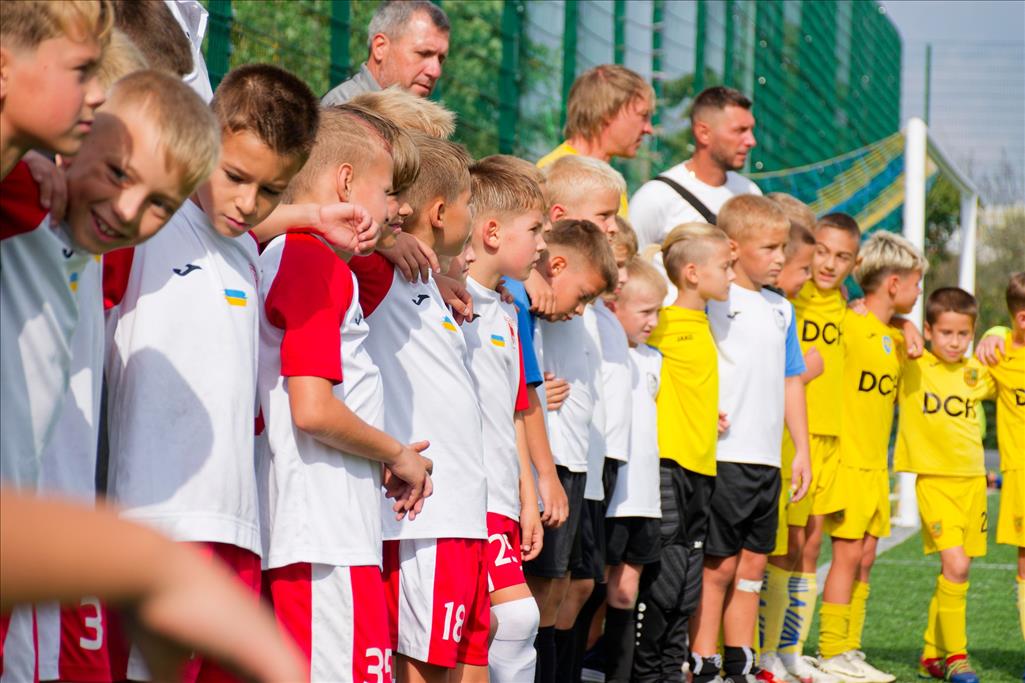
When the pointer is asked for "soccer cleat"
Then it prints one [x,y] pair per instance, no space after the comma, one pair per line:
[957,670]
[869,673]
[930,667]
[771,664]
[805,670]
[844,668]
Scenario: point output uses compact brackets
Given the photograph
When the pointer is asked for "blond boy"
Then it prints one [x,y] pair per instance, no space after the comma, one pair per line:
[760,387]
[55,406]
[408,111]
[50,54]
[938,439]
[698,259]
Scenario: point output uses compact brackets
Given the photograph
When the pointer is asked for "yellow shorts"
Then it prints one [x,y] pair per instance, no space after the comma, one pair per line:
[827,492]
[953,511]
[1011,523]
[868,512]
[782,530]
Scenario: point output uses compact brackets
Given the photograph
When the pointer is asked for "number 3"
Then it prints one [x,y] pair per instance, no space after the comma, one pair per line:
[94,622]
[383,666]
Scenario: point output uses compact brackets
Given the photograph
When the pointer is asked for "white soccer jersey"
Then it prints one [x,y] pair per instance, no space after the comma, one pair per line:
[493,343]
[637,486]
[615,382]
[596,445]
[181,376]
[318,505]
[751,331]
[428,394]
[566,345]
[39,273]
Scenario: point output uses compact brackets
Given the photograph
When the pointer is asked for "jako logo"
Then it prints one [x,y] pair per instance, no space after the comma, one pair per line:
[955,406]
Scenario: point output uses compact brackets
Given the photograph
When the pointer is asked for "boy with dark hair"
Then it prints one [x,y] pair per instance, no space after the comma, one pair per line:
[938,439]
[184,333]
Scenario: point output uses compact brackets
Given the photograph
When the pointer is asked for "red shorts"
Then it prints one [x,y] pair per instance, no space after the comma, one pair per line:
[505,567]
[245,565]
[338,618]
[75,643]
[438,604]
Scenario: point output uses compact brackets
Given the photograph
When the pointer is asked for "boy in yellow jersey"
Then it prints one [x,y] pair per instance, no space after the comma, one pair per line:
[697,258]
[1005,356]
[889,270]
[939,440]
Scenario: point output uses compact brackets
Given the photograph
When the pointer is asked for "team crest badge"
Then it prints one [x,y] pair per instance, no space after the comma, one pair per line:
[971,376]
[936,529]
[652,385]
[781,319]
[1019,524]
[887,343]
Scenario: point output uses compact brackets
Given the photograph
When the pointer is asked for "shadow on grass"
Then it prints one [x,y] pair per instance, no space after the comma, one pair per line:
[993,665]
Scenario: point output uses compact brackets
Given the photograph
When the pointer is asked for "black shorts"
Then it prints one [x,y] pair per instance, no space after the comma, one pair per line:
[745,510]
[686,505]
[634,540]
[588,558]
[554,560]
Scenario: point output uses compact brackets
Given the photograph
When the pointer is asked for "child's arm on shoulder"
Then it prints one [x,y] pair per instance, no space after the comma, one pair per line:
[414,259]
[531,531]
[316,411]
[347,227]
[914,342]
[990,350]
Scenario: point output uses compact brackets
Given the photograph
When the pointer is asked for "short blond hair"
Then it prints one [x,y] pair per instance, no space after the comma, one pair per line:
[504,185]
[745,214]
[121,58]
[570,178]
[408,111]
[598,95]
[641,274]
[689,243]
[27,23]
[625,238]
[444,173]
[884,254]
[802,221]
[185,127]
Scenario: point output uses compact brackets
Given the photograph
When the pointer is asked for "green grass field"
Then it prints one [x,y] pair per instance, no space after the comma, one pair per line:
[902,584]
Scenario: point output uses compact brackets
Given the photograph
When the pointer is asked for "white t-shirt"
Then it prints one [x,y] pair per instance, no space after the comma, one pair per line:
[193,17]
[567,350]
[656,208]
[68,464]
[318,504]
[181,379]
[596,444]
[493,343]
[756,335]
[39,311]
[637,486]
[615,381]
[428,396]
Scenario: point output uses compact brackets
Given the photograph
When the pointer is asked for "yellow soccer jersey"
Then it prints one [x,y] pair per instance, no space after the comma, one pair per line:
[939,417]
[1009,375]
[820,315]
[565,149]
[688,398]
[873,352]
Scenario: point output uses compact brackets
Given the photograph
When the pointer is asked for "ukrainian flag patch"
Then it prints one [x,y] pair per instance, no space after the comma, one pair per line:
[449,324]
[73,282]
[498,340]
[235,297]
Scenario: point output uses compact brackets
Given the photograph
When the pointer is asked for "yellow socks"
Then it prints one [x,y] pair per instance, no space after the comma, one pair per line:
[773,608]
[951,635]
[931,646]
[1021,604]
[859,604]
[834,621]
[803,589]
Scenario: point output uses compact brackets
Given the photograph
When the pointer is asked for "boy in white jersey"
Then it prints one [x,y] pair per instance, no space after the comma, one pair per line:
[632,528]
[184,333]
[759,367]
[697,259]
[61,281]
[434,568]
[323,406]
[507,208]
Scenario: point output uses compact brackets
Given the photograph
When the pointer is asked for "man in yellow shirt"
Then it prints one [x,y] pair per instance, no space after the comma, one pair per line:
[939,440]
[1007,366]
[697,258]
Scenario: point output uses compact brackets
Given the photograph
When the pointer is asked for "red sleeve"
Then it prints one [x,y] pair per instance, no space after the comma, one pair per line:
[311,292]
[117,266]
[20,211]
[522,402]
[375,275]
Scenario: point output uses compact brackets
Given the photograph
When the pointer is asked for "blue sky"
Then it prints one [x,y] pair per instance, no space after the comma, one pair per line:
[977,93]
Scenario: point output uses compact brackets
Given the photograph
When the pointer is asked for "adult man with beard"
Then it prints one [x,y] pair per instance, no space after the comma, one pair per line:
[723,135]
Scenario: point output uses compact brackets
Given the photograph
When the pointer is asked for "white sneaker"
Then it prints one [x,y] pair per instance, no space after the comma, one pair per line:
[805,670]
[843,667]
[771,662]
[871,674]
